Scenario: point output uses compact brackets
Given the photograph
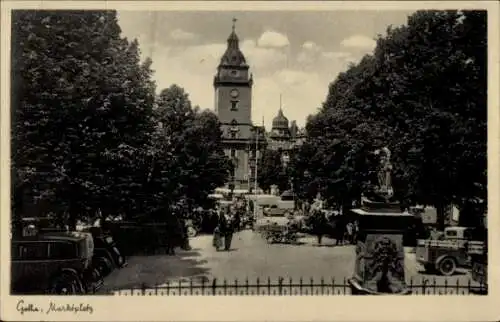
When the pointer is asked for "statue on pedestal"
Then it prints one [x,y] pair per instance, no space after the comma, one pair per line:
[379,267]
[384,173]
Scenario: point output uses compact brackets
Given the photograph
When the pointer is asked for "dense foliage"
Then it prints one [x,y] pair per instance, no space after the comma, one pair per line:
[85,134]
[190,162]
[272,171]
[422,94]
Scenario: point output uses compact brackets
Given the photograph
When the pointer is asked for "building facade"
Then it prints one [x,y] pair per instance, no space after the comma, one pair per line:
[283,136]
[233,105]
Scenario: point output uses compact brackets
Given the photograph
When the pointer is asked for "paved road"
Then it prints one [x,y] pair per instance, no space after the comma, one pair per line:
[251,257]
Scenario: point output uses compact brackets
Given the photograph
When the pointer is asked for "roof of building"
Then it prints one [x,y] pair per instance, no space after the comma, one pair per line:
[280,121]
[233,55]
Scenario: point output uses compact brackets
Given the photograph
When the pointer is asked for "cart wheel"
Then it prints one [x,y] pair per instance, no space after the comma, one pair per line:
[447,266]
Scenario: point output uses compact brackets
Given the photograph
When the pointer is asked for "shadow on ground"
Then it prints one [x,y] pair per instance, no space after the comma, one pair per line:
[149,271]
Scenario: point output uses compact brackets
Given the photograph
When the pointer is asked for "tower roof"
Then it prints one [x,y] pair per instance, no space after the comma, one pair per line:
[233,55]
[280,121]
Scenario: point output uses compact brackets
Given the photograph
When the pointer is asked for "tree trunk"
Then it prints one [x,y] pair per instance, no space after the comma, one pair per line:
[440,214]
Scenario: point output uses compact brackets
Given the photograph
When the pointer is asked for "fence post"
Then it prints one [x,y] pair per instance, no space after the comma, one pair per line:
[246,285]
[268,285]
[458,287]
[202,286]
[168,287]
[333,285]
[445,286]
[143,289]
[280,286]
[214,286]
[290,285]
[300,286]
[322,285]
[311,285]
[258,286]
[180,288]
[236,286]
[190,286]
[156,289]
[424,284]
[225,287]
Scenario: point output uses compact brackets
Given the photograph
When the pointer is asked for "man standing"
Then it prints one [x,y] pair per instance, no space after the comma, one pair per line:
[229,229]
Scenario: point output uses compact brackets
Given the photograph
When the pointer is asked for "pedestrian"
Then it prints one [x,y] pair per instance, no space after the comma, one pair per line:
[220,229]
[355,231]
[349,232]
[185,236]
[319,224]
[229,231]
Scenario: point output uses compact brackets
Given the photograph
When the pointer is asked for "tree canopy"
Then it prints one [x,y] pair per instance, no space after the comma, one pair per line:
[272,171]
[85,134]
[422,93]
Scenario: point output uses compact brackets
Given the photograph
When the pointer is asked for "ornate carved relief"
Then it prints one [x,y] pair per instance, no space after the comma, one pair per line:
[379,264]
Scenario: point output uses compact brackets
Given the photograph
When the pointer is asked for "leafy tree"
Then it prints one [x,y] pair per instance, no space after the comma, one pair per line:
[422,94]
[271,171]
[81,112]
[189,159]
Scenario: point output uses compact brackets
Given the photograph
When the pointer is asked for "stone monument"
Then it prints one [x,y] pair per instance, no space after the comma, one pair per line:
[379,266]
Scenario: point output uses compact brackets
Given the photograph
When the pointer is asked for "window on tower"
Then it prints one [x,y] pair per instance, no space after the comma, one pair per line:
[234,105]
[233,153]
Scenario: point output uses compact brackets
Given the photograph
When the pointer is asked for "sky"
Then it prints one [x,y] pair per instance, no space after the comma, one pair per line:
[293,54]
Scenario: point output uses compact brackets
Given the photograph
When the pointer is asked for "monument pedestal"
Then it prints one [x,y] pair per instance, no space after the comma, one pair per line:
[379,266]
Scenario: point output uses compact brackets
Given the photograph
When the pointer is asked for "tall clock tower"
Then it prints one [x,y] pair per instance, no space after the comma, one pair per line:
[233,105]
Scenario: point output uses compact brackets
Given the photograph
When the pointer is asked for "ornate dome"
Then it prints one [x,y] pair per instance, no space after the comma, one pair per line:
[280,121]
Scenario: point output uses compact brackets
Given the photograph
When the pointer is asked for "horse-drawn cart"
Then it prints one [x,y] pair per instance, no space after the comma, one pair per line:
[276,233]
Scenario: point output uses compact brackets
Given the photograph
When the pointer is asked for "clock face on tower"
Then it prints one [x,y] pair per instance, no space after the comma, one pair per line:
[234,93]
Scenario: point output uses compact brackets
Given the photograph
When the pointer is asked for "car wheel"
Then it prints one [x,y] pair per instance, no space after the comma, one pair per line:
[64,284]
[104,266]
[447,266]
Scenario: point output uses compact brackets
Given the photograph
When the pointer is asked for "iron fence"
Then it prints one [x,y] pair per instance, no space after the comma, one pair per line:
[287,287]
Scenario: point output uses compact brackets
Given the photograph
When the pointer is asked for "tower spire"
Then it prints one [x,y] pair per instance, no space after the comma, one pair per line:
[234,23]
[281,106]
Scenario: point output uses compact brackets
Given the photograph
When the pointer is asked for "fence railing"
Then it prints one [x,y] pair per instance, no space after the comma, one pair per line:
[288,287]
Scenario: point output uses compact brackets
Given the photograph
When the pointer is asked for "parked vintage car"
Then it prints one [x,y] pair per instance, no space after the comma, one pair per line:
[107,256]
[447,254]
[54,263]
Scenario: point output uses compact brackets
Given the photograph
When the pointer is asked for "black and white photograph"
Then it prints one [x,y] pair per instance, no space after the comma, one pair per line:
[248,153]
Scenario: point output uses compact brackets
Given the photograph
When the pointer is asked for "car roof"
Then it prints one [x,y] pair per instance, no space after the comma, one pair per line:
[63,236]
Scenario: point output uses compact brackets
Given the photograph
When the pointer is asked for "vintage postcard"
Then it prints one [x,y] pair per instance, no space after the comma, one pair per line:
[229,161]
